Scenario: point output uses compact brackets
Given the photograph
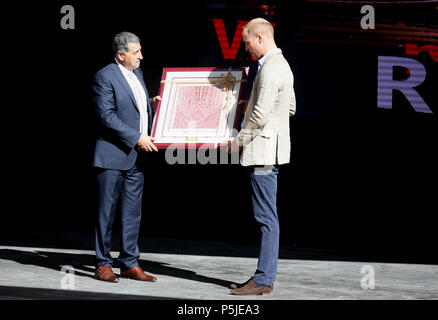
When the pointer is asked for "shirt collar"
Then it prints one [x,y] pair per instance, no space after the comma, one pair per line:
[262,59]
[124,70]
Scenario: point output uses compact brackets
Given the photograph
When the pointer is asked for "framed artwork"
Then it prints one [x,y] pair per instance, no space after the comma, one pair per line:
[199,107]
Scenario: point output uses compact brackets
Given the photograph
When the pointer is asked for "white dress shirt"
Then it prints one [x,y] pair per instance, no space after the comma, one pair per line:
[139,95]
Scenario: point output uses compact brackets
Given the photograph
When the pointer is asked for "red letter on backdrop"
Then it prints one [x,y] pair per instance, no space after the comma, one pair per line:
[230,52]
[413,49]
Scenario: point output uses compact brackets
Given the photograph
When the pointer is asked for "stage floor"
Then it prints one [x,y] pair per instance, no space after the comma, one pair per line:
[203,270]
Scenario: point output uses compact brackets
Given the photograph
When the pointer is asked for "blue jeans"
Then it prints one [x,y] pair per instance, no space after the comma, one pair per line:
[263,181]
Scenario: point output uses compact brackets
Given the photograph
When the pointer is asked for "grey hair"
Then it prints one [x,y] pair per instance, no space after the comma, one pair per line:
[121,40]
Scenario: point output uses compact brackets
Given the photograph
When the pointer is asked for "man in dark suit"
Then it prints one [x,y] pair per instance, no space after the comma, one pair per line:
[124,121]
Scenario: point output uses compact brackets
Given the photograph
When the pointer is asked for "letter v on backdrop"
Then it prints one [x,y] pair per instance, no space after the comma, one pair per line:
[230,51]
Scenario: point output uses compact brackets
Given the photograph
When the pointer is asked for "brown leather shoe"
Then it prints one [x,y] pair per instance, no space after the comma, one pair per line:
[239,285]
[105,273]
[137,273]
[251,289]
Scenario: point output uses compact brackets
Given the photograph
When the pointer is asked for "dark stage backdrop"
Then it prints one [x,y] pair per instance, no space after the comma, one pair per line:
[361,178]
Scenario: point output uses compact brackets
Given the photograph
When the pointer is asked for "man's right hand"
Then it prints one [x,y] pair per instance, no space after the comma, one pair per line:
[145,143]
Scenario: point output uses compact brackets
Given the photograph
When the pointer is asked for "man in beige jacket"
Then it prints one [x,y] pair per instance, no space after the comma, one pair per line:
[264,142]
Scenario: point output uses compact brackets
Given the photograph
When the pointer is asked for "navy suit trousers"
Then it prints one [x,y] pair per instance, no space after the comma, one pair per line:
[263,181]
[125,186]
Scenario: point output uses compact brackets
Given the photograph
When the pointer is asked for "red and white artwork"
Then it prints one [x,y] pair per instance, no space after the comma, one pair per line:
[198,107]
[200,104]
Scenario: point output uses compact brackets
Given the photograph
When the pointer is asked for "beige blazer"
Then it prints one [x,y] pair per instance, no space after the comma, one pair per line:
[265,136]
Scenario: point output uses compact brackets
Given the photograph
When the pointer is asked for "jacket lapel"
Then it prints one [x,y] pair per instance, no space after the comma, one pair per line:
[121,78]
[257,77]
[274,53]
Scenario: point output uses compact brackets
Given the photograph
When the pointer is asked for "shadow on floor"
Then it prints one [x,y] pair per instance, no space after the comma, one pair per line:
[83,264]
[85,241]
[25,293]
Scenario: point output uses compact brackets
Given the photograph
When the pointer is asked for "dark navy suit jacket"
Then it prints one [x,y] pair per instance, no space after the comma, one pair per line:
[118,119]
